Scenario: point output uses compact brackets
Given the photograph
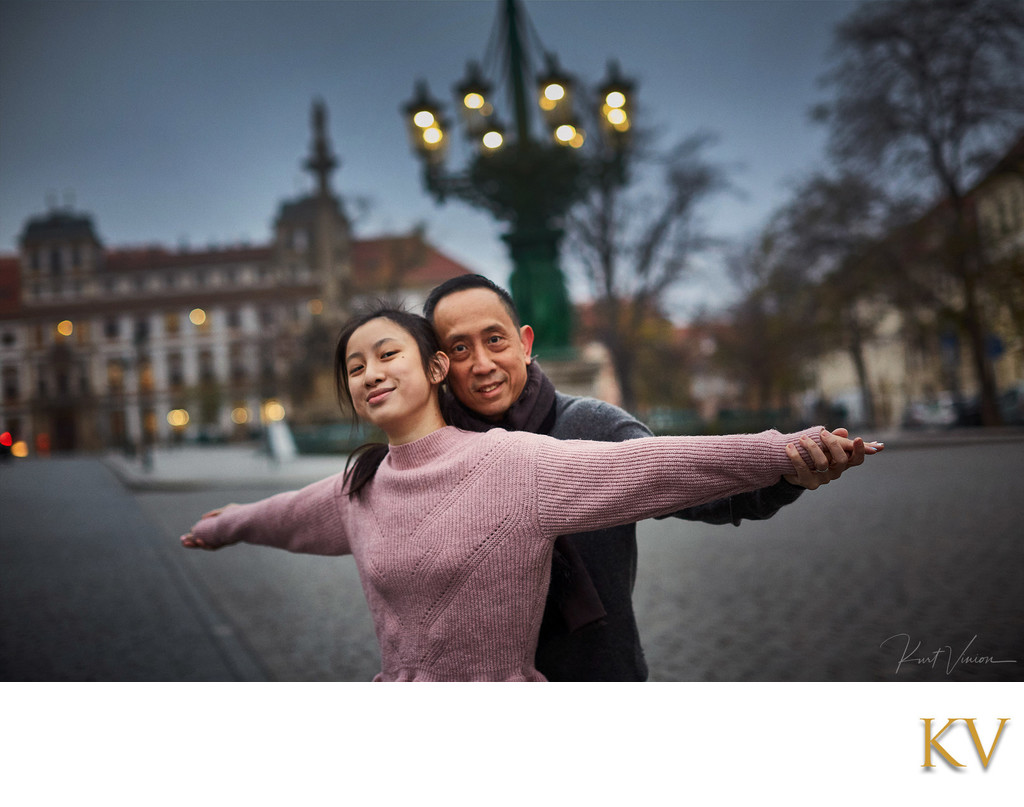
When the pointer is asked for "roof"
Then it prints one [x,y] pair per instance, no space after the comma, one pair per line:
[59,225]
[10,284]
[377,263]
[156,257]
[374,260]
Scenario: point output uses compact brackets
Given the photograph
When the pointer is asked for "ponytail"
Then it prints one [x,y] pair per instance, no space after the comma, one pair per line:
[362,465]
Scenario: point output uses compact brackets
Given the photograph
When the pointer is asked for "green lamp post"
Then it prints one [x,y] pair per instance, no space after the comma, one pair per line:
[526,180]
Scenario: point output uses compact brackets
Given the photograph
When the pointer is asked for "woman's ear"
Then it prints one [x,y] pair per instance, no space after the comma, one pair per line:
[439,367]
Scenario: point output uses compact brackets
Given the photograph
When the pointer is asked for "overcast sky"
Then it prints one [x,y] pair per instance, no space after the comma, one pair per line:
[187,122]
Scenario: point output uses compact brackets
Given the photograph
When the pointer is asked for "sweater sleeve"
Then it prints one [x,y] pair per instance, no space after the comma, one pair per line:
[584,485]
[589,419]
[307,520]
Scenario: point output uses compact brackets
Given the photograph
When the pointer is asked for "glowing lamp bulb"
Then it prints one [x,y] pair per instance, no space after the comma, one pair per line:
[554,92]
[565,133]
[616,100]
[616,117]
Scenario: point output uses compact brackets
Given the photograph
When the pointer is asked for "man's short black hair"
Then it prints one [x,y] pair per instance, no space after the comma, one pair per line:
[463,282]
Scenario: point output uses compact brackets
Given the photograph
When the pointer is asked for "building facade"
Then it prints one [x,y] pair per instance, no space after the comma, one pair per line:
[920,367]
[110,347]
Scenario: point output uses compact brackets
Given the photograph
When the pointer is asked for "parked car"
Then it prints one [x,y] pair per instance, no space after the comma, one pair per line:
[939,412]
[1011,405]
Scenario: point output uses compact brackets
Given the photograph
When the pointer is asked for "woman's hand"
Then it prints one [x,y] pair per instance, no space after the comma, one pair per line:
[190,541]
[842,453]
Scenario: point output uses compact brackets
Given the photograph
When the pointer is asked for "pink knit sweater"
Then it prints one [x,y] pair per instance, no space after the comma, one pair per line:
[453,537]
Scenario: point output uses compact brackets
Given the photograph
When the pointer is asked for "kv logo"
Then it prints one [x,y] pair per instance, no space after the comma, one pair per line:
[931,741]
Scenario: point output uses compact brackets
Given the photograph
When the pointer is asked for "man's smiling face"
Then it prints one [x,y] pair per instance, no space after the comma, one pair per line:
[489,354]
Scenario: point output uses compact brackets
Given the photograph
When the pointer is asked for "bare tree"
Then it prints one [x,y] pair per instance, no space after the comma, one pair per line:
[931,89]
[773,330]
[634,243]
[834,232]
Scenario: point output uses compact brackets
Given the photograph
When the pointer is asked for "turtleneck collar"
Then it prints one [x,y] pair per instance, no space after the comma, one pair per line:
[425,450]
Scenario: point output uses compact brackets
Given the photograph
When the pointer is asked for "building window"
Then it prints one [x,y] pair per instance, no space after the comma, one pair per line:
[10,339]
[234,318]
[175,371]
[112,328]
[11,389]
[206,371]
[118,428]
[55,262]
[172,323]
[115,376]
[146,378]
[142,330]
[149,425]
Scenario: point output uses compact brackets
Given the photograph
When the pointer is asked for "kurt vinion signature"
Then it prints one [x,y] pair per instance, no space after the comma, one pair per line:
[932,659]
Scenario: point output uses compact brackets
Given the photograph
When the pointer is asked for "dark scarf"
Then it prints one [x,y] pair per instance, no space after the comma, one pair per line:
[572,591]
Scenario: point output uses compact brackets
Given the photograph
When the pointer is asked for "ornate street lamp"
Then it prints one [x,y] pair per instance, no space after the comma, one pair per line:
[526,180]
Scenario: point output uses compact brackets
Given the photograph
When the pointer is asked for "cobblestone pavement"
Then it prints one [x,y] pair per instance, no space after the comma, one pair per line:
[922,548]
[89,592]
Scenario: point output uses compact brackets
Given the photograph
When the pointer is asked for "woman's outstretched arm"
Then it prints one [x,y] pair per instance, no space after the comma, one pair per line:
[584,485]
[307,520]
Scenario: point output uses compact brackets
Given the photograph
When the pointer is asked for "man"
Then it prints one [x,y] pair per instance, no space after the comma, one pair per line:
[589,632]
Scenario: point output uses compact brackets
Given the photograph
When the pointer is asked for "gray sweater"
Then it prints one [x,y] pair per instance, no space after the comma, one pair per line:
[610,650]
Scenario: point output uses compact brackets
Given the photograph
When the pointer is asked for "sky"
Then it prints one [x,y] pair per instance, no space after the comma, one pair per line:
[186,123]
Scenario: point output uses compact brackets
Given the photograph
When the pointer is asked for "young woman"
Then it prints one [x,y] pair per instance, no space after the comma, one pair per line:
[452,531]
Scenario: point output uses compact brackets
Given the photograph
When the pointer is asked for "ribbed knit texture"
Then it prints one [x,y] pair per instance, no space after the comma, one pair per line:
[453,537]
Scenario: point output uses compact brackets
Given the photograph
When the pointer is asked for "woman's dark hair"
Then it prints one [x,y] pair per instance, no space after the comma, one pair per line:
[364,461]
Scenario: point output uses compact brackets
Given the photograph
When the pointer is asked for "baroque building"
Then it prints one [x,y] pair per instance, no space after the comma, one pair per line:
[116,347]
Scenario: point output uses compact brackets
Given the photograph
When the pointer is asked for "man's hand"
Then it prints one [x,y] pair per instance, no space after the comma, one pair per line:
[189,541]
[840,453]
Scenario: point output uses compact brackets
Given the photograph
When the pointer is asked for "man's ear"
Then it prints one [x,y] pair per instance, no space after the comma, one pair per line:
[526,335]
[439,367]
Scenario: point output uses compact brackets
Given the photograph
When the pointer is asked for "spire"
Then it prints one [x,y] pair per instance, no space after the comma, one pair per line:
[321,162]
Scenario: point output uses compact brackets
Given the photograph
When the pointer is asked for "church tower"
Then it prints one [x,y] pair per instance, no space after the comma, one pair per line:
[314,230]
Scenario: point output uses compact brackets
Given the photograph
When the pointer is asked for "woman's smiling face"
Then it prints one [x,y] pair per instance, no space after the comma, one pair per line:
[387,380]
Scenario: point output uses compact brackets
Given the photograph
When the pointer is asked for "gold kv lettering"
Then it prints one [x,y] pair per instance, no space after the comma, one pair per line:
[932,741]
